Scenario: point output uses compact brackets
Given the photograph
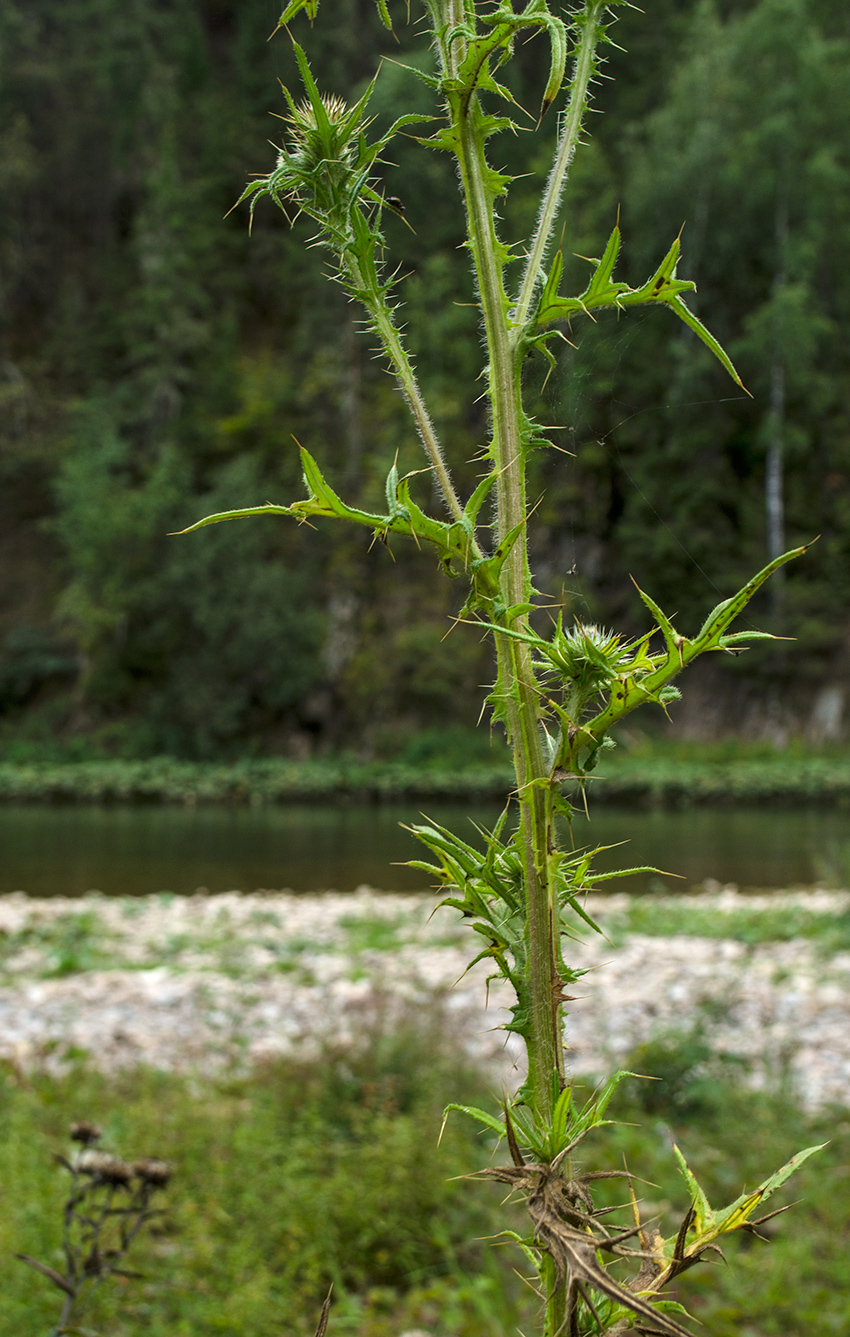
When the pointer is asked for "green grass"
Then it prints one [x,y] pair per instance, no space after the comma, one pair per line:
[307,1174]
[75,942]
[300,1176]
[69,944]
[166,780]
[675,774]
[656,773]
[374,933]
[750,925]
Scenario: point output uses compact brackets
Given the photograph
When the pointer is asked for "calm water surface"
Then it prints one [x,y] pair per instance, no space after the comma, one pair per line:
[50,851]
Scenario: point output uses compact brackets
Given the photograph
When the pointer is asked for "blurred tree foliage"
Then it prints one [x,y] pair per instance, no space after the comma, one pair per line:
[156,362]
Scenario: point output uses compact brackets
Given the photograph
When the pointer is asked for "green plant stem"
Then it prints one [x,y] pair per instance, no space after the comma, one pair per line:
[556,1304]
[391,340]
[517,680]
[585,63]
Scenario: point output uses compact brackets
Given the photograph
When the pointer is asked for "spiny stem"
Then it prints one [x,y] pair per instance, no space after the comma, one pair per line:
[516,672]
[544,1039]
[556,1304]
[585,63]
[507,439]
[398,355]
[390,338]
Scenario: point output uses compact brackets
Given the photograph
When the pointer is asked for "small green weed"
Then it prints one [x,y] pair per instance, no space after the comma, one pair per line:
[682,1076]
[69,944]
[172,947]
[373,933]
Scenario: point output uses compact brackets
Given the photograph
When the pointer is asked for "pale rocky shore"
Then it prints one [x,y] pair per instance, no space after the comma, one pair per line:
[205,982]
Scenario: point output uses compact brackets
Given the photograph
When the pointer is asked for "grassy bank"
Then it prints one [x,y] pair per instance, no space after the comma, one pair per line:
[671,776]
[285,1182]
[300,1176]
[167,780]
[649,774]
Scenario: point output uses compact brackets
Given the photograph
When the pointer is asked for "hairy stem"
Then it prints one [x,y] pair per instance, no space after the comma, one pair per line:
[517,682]
[585,63]
[390,338]
[556,1306]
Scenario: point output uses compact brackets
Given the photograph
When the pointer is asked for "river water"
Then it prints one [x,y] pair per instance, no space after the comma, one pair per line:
[132,851]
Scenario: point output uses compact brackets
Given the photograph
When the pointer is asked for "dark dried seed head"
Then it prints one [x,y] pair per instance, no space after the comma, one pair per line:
[152,1171]
[105,1168]
[85,1132]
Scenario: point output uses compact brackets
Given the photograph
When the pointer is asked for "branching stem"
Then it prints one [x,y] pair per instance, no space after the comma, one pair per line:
[585,64]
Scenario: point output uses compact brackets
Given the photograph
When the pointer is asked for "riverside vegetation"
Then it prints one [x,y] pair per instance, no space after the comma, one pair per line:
[558,692]
[243,1247]
[652,773]
[304,1173]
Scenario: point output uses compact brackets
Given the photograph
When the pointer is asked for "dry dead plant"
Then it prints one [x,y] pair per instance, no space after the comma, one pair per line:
[110,1201]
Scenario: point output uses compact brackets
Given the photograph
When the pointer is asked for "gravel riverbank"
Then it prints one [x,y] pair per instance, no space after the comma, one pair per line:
[201,982]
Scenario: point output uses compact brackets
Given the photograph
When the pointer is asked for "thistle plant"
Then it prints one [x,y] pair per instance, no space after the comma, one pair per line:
[109,1203]
[558,695]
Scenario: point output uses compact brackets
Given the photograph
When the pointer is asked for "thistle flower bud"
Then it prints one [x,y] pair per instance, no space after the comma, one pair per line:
[304,121]
[320,166]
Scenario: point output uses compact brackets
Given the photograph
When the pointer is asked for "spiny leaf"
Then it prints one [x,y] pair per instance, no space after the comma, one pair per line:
[684,313]
[488,1120]
[525,1126]
[625,872]
[662,288]
[268,509]
[294,7]
[775,1181]
[703,1215]
[664,624]
[526,1245]
[726,611]
[737,1213]
[549,294]
[670,1307]
[681,649]
[557,63]
[738,636]
[703,1226]
[596,1106]
[600,284]
[479,496]
[560,1121]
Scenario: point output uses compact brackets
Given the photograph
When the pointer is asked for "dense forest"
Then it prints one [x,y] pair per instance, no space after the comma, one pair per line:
[156,362]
